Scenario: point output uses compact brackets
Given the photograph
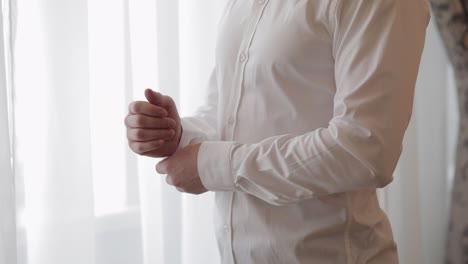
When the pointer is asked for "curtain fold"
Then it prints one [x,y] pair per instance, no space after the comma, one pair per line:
[53,137]
[168,82]
[8,234]
[87,197]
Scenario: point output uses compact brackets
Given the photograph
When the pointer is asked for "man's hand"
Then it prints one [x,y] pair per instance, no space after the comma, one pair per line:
[153,127]
[182,170]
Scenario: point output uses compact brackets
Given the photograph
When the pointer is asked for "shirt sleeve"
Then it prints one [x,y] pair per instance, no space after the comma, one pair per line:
[377,47]
[203,124]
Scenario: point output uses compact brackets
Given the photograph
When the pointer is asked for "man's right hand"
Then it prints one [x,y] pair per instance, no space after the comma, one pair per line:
[153,127]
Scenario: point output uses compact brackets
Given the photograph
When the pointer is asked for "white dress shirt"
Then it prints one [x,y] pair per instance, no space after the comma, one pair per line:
[304,119]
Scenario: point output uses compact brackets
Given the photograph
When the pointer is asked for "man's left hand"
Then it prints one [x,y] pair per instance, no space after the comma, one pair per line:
[182,170]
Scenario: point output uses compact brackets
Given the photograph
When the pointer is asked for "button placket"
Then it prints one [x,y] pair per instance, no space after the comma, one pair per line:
[243,57]
[230,130]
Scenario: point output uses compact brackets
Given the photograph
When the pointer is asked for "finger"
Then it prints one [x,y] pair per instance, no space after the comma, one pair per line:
[168,179]
[145,108]
[173,182]
[158,99]
[142,121]
[139,134]
[153,97]
[145,147]
[161,167]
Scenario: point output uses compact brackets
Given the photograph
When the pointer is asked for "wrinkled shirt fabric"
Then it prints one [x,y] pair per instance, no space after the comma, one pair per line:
[304,119]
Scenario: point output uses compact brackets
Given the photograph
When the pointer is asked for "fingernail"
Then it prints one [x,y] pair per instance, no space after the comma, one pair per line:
[160,167]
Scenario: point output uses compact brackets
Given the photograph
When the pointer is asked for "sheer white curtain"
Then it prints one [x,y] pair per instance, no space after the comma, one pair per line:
[83,197]
[7,187]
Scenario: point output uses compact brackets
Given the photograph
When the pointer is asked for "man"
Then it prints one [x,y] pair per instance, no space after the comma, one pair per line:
[304,119]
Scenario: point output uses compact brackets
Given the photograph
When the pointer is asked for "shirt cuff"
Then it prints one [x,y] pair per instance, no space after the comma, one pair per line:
[187,136]
[214,165]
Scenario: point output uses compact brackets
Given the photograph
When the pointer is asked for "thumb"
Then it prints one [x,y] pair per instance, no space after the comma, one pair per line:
[158,99]
[153,97]
[161,167]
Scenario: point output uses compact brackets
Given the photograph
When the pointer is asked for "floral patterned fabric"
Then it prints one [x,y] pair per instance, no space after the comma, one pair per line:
[452,20]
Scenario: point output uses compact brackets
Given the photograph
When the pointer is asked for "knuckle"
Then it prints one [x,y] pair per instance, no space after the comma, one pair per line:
[137,148]
[140,149]
[174,181]
[169,122]
[127,121]
[135,107]
[139,133]
[177,183]
[168,133]
[132,121]
[132,146]
[139,120]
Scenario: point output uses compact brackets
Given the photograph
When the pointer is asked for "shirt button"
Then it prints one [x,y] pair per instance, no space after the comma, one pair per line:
[261,2]
[243,57]
[231,120]
[226,229]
